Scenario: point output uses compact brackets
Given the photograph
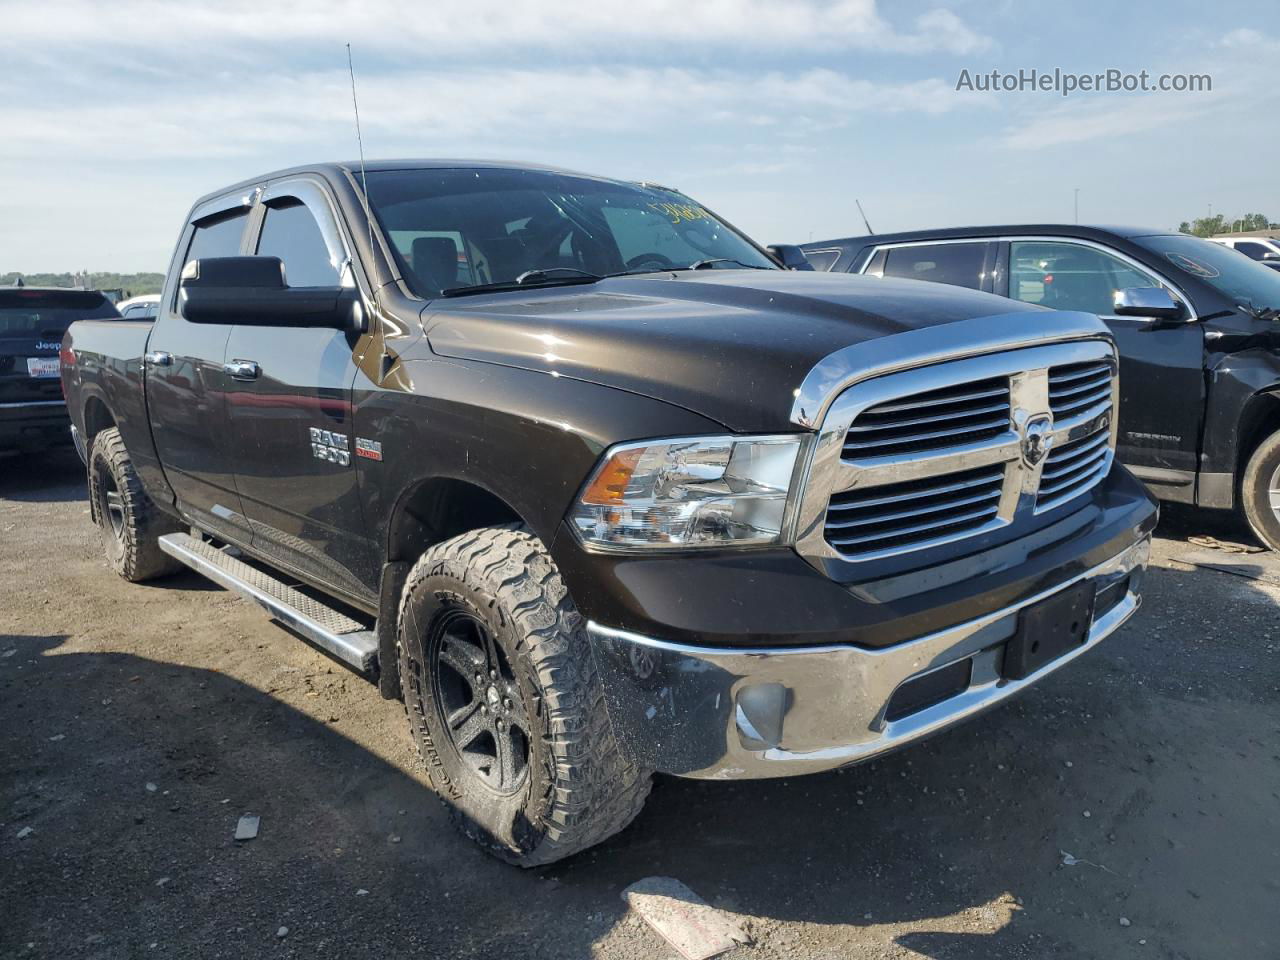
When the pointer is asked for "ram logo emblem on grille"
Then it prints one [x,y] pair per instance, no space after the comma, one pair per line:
[1036,440]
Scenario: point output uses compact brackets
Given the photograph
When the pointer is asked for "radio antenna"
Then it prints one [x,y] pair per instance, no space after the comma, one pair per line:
[865,222]
[364,179]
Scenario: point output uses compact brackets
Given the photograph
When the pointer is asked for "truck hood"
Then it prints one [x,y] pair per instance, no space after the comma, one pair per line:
[731,345]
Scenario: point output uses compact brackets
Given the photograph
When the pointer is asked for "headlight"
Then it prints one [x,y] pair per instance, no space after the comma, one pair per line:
[696,492]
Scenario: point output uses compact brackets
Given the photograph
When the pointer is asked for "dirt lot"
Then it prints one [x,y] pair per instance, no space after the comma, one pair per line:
[138,723]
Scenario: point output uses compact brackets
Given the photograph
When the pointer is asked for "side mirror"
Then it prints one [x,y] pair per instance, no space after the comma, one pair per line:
[790,256]
[1271,255]
[251,291]
[1154,302]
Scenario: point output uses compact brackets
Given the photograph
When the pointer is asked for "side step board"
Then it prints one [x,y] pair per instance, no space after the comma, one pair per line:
[346,639]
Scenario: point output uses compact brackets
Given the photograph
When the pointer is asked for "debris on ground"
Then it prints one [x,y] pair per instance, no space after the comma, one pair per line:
[247,827]
[1125,922]
[1226,546]
[682,918]
[1070,861]
[152,788]
[282,932]
[25,832]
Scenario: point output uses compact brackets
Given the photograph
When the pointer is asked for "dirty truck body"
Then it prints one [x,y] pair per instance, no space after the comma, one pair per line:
[579,472]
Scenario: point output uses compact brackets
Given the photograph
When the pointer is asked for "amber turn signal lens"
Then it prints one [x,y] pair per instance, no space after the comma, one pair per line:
[609,486]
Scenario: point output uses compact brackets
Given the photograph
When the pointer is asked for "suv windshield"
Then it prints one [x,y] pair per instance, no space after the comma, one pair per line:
[45,314]
[1246,282]
[452,229]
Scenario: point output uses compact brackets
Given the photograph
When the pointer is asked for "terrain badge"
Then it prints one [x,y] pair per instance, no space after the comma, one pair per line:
[369,449]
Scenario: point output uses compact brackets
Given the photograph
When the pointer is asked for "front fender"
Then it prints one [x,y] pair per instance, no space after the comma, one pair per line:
[1243,398]
[529,438]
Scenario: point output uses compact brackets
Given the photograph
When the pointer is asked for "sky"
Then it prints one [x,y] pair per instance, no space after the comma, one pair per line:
[777,115]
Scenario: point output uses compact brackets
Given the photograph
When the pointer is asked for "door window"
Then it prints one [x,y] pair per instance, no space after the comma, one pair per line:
[1070,276]
[290,232]
[822,260]
[217,236]
[959,264]
[1251,249]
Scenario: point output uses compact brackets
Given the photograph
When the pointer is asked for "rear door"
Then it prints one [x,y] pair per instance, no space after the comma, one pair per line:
[187,387]
[290,407]
[32,323]
[1161,364]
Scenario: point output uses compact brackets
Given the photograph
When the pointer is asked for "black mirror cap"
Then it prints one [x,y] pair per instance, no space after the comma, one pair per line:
[251,291]
[1153,302]
[790,256]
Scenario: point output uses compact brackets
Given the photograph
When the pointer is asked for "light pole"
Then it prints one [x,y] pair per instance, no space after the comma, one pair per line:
[1077,204]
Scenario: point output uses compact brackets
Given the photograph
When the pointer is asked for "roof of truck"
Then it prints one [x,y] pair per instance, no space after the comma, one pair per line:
[338,169]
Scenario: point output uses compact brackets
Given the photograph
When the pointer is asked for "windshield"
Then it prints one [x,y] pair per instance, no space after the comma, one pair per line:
[1245,282]
[46,315]
[458,228]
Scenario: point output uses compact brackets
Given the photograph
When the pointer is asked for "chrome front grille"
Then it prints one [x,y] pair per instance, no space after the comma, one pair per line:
[936,418]
[938,453]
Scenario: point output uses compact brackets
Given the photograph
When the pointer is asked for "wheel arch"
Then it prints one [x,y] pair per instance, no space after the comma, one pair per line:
[1259,419]
[96,418]
[435,509]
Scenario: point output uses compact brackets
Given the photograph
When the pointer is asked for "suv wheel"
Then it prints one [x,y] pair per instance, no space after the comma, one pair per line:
[503,698]
[1260,491]
[131,524]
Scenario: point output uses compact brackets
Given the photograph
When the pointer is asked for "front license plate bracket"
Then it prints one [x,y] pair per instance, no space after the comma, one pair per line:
[1049,629]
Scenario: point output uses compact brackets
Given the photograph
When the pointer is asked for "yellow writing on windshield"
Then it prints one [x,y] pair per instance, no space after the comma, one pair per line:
[680,212]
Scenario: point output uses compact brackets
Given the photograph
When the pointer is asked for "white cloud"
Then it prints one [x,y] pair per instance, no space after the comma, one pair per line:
[435,31]
[439,112]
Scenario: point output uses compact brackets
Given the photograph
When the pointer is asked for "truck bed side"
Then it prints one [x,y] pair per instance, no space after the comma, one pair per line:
[102,371]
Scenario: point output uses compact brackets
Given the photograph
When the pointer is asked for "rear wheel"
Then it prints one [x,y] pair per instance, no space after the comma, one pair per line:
[1260,491]
[505,704]
[130,522]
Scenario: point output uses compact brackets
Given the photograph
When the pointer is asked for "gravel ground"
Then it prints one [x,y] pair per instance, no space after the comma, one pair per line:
[138,723]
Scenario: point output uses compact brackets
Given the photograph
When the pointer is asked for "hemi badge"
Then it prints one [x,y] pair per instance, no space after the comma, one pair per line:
[369,449]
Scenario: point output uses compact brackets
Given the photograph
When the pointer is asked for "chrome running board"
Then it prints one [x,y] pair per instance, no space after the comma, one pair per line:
[347,639]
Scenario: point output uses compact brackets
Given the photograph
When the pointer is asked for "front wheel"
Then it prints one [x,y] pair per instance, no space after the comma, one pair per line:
[1260,491]
[505,703]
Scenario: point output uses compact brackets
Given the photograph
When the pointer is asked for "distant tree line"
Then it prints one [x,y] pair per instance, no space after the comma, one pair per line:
[133,284]
[1212,226]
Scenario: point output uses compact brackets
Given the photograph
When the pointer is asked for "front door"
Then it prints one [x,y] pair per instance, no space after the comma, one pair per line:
[290,411]
[1161,364]
[186,386]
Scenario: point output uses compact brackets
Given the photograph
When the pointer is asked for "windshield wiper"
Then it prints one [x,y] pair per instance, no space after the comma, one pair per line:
[530,278]
[710,263]
[1259,313]
[542,274]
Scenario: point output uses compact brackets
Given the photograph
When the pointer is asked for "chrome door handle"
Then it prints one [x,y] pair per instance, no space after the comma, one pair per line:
[157,358]
[241,370]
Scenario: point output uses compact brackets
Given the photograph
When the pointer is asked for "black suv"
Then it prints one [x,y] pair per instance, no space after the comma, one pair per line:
[32,322]
[1194,321]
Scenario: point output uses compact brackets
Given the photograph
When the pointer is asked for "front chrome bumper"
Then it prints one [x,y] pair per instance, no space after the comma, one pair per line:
[717,713]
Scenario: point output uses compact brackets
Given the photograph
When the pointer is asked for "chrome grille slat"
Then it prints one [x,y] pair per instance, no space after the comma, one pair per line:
[1076,407]
[1060,393]
[961,398]
[987,513]
[996,424]
[1076,472]
[1075,450]
[994,476]
[992,408]
[935,507]
[1066,374]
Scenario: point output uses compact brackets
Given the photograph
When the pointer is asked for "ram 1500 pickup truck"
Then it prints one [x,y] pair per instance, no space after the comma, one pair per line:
[599,488]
